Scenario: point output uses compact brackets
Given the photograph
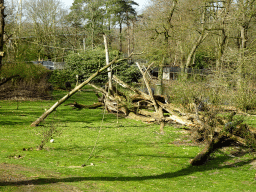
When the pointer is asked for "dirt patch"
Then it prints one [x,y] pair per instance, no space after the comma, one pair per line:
[15,178]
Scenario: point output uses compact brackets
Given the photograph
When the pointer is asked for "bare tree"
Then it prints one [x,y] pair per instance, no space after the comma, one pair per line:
[46,17]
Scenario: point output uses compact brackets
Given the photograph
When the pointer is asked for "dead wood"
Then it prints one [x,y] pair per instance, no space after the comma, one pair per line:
[141,118]
[62,100]
[148,113]
[113,103]
[125,85]
[113,106]
[181,120]
[170,108]
[205,123]
[215,144]
[81,106]
[218,135]
[151,97]
[77,88]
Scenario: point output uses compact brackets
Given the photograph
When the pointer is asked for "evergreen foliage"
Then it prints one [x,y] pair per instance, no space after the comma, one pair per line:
[85,64]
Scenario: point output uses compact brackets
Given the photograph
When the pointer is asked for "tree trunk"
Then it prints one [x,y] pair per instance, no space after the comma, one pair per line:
[107,62]
[223,36]
[2,24]
[128,36]
[222,42]
[120,37]
[200,39]
[244,37]
[159,86]
[158,109]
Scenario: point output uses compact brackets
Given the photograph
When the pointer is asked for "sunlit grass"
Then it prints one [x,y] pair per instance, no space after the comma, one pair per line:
[123,156]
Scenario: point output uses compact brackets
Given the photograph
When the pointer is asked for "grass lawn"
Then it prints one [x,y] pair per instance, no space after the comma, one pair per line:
[128,155]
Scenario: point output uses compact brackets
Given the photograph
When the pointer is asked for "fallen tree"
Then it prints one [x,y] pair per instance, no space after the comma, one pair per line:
[206,125]
[213,126]
[72,92]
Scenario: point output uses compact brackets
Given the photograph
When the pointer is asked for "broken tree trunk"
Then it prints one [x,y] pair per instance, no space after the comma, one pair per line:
[107,62]
[81,106]
[221,134]
[141,118]
[158,108]
[215,144]
[148,86]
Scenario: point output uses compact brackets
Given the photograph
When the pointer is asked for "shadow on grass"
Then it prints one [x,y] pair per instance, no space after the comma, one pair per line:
[183,172]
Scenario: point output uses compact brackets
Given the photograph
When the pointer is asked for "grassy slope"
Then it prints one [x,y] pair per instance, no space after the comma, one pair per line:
[129,156]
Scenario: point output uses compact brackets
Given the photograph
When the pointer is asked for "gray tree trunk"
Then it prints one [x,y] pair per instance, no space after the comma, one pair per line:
[107,62]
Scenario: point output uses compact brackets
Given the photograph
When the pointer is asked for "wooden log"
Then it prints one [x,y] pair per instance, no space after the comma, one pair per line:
[113,106]
[151,97]
[125,85]
[81,106]
[171,109]
[146,113]
[141,118]
[181,120]
[215,144]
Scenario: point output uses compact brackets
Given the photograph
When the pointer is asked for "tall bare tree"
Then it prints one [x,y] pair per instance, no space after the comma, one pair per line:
[46,17]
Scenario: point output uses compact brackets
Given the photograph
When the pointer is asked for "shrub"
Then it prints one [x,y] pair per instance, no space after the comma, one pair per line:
[29,80]
[85,64]
[60,77]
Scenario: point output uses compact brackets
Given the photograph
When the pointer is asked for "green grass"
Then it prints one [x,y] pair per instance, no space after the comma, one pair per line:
[129,155]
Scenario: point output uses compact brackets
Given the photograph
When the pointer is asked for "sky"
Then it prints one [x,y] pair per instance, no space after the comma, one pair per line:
[142,3]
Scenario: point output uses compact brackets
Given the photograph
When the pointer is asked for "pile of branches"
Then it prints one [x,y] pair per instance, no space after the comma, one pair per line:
[217,127]
[206,123]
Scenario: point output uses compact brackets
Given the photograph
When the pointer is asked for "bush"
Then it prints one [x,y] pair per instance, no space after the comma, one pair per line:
[60,77]
[26,71]
[29,80]
[85,64]
[215,89]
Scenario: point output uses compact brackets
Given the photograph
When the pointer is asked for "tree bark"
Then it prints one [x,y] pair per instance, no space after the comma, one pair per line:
[81,106]
[148,87]
[107,62]
[159,86]
[120,37]
[2,24]
[200,39]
